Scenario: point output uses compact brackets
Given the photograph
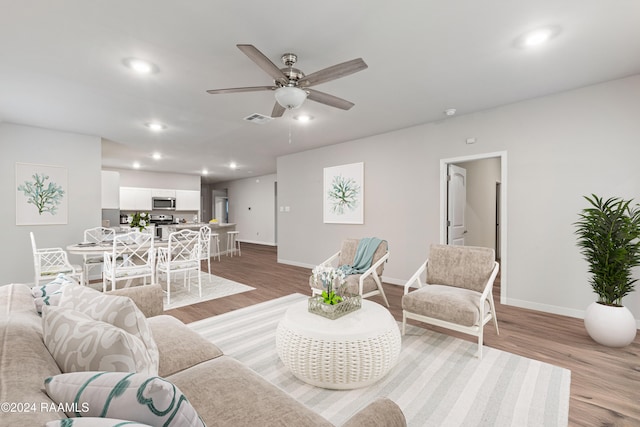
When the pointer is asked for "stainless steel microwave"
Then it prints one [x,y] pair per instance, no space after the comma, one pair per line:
[164,203]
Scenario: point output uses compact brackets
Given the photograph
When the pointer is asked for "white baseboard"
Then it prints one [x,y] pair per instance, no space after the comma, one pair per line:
[563,311]
[257,242]
[296,263]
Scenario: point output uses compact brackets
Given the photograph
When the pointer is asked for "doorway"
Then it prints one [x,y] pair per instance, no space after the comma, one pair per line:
[500,205]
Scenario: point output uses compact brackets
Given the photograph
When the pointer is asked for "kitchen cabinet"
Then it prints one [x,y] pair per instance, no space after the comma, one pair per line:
[110,190]
[187,200]
[135,199]
[161,192]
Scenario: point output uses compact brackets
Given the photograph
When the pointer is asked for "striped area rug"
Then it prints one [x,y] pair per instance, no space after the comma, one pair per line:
[438,381]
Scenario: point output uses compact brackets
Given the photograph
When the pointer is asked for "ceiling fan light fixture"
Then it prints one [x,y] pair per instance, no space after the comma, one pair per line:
[290,97]
[303,118]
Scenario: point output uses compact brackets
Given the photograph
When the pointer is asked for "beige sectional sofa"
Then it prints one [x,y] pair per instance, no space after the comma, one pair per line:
[222,390]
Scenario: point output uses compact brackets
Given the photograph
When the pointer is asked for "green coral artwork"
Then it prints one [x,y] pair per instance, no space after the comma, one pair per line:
[41,194]
[45,196]
[343,194]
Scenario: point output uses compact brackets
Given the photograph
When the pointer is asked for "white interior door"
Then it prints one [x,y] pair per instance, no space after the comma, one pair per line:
[456,203]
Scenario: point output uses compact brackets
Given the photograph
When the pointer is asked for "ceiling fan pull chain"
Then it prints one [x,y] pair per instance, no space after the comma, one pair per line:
[289,132]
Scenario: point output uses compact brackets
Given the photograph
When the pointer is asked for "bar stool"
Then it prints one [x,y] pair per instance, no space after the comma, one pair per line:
[215,240]
[232,243]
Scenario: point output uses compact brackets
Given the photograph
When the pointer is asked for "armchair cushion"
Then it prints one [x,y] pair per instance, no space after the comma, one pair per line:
[460,266]
[448,303]
[350,247]
[352,283]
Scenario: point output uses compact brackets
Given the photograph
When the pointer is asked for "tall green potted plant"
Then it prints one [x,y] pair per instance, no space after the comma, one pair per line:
[608,237]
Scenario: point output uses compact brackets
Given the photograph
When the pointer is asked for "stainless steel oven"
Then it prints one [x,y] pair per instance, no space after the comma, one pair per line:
[161,223]
[164,203]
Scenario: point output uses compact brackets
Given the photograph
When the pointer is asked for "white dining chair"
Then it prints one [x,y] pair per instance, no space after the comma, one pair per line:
[205,247]
[182,255]
[132,257]
[49,262]
[95,235]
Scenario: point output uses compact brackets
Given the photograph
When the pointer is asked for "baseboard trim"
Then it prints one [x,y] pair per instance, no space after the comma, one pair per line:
[257,242]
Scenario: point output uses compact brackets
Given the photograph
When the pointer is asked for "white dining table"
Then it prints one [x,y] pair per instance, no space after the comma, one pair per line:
[97,249]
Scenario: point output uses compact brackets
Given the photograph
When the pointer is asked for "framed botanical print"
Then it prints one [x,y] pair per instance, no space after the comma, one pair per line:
[41,194]
[344,194]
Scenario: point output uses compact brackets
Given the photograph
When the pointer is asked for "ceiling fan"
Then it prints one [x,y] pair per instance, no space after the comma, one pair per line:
[291,85]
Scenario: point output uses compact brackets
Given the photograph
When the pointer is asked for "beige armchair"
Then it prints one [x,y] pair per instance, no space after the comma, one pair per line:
[366,284]
[457,293]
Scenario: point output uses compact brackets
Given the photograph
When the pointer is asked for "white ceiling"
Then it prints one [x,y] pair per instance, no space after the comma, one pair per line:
[61,68]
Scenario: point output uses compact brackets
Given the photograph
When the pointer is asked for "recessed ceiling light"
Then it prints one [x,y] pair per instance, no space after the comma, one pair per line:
[155,126]
[233,165]
[157,156]
[136,165]
[303,118]
[537,37]
[450,111]
[140,66]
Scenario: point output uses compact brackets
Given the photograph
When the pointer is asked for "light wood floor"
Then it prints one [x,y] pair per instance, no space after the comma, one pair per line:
[605,382]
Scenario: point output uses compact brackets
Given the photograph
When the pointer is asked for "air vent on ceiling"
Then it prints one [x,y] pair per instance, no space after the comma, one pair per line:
[258,118]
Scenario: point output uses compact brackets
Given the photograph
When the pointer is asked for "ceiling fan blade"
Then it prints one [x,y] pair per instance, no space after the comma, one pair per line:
[262,61]
[332,73]
[278,110]
[241,89]
[325,98]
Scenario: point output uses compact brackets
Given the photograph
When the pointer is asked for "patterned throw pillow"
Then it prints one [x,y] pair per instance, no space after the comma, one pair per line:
[117,310]
[52,287]
[50,293]
[94,422]
[79,343]
[137,397]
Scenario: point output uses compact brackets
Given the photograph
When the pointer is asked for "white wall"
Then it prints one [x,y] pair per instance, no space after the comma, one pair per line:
[252,208]
[81,155]
[172,181]
[559,147]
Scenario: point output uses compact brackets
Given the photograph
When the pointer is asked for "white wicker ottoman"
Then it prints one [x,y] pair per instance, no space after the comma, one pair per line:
[353,351]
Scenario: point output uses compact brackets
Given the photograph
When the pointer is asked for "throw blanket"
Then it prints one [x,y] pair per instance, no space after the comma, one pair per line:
[364,256]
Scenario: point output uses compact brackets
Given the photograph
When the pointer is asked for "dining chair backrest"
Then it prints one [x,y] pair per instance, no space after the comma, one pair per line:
[184,245]
[205,242]
[99,234]
[134,248]
[48,262]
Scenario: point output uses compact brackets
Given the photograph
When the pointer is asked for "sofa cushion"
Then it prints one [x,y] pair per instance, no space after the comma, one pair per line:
[136,397]
[79,343]
[24,359]
[382,412]
[94,422]
[180,347]
[227,393]
[148,298]
[119,311]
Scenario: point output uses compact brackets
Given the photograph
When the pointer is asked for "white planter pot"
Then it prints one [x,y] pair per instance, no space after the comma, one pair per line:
[610,326]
